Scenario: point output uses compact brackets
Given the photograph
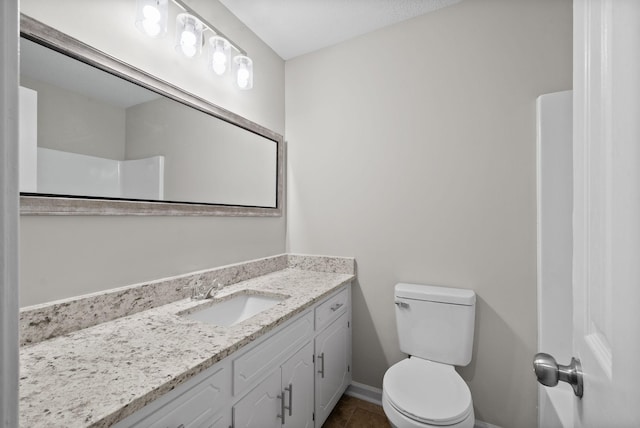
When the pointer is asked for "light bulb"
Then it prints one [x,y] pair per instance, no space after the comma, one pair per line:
[152,28]
[219,63]
[243,76]
[219,68]
[189,50]
[151,13]
[244,71]
[243,83]
[219,58]
[243,79]
[151,17]
[188,35]
[219,54]
[188,41]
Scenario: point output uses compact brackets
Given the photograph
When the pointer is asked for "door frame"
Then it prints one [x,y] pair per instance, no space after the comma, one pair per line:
[9,214]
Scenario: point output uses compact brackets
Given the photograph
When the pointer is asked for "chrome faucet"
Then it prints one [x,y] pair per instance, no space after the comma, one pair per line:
[199,292]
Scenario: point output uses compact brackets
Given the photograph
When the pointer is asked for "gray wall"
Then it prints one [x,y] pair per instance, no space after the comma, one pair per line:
[206,159]
[62,257]
[76,123]
[413,149]
[9,275]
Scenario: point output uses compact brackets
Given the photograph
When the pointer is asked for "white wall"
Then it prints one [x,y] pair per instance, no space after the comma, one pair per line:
[67,256]
[413,149]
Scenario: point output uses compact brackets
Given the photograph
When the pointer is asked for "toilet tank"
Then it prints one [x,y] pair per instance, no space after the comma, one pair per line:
[436,323]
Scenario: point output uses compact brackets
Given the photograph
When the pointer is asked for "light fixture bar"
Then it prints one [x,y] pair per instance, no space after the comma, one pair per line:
[181,4]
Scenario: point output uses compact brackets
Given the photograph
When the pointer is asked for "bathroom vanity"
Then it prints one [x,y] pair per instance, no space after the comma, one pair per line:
[271,381]
[287,365]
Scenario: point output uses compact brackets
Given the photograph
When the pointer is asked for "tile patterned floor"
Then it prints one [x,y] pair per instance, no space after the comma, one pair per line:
[352,412]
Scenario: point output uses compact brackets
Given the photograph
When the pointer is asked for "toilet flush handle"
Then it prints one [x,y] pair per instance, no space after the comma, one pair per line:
[402,304]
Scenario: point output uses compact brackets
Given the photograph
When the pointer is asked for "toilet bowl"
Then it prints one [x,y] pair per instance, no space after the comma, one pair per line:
[435,328]
[418,393]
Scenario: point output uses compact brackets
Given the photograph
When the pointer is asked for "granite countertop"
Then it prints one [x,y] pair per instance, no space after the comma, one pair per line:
[97,376]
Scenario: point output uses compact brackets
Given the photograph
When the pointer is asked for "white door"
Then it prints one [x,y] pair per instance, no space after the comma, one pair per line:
[606,215]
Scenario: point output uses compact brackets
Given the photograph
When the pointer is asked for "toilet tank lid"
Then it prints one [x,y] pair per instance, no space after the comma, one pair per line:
[432,293]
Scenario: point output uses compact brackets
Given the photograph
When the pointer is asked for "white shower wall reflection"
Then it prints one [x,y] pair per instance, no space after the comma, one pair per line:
[70,173]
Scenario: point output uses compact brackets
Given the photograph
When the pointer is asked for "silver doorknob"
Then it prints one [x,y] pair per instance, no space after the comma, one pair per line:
[549,372]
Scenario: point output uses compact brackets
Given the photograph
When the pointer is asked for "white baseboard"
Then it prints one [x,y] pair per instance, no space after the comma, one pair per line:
[374,395]
[480,424]
[365,392]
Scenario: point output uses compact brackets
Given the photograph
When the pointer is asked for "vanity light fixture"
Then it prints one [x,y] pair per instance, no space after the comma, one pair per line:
[151,16]
[151,19]
[244,71]
[188,35]
[219,55]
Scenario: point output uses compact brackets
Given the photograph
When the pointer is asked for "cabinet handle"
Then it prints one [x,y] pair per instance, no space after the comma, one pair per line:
[290,389]
[282,407]
[321,371]
[336,307]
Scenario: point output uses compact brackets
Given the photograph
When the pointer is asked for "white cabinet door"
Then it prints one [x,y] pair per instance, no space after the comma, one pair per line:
[198,404]
[222,420]
[260,408]
[293,383]
[333,372]
[297,382]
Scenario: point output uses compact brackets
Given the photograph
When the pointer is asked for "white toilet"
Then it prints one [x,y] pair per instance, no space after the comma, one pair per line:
[435,327]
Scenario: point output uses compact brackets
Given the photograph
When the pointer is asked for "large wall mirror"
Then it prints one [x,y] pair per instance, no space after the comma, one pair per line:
[101,137]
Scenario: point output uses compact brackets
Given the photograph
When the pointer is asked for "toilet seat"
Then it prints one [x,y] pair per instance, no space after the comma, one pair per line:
[428,392]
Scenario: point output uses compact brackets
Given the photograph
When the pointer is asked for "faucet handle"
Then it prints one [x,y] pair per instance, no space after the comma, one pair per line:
[195,291]
[199,290]
[217,285]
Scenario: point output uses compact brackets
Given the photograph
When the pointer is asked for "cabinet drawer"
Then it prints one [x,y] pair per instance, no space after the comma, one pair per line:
[198,406]
[332,308]
[261,359]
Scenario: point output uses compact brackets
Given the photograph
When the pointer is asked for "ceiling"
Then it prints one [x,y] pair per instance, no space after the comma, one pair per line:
[46,65]
[296,27]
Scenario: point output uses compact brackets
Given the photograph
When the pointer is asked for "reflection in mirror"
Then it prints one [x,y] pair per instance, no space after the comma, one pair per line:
[89,135]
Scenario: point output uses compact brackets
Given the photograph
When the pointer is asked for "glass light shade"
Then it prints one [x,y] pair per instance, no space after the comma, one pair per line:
[188,35]
[244,71]
[151,17]
[219,55]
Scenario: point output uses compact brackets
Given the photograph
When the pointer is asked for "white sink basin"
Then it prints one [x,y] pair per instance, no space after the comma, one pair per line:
[234,310]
